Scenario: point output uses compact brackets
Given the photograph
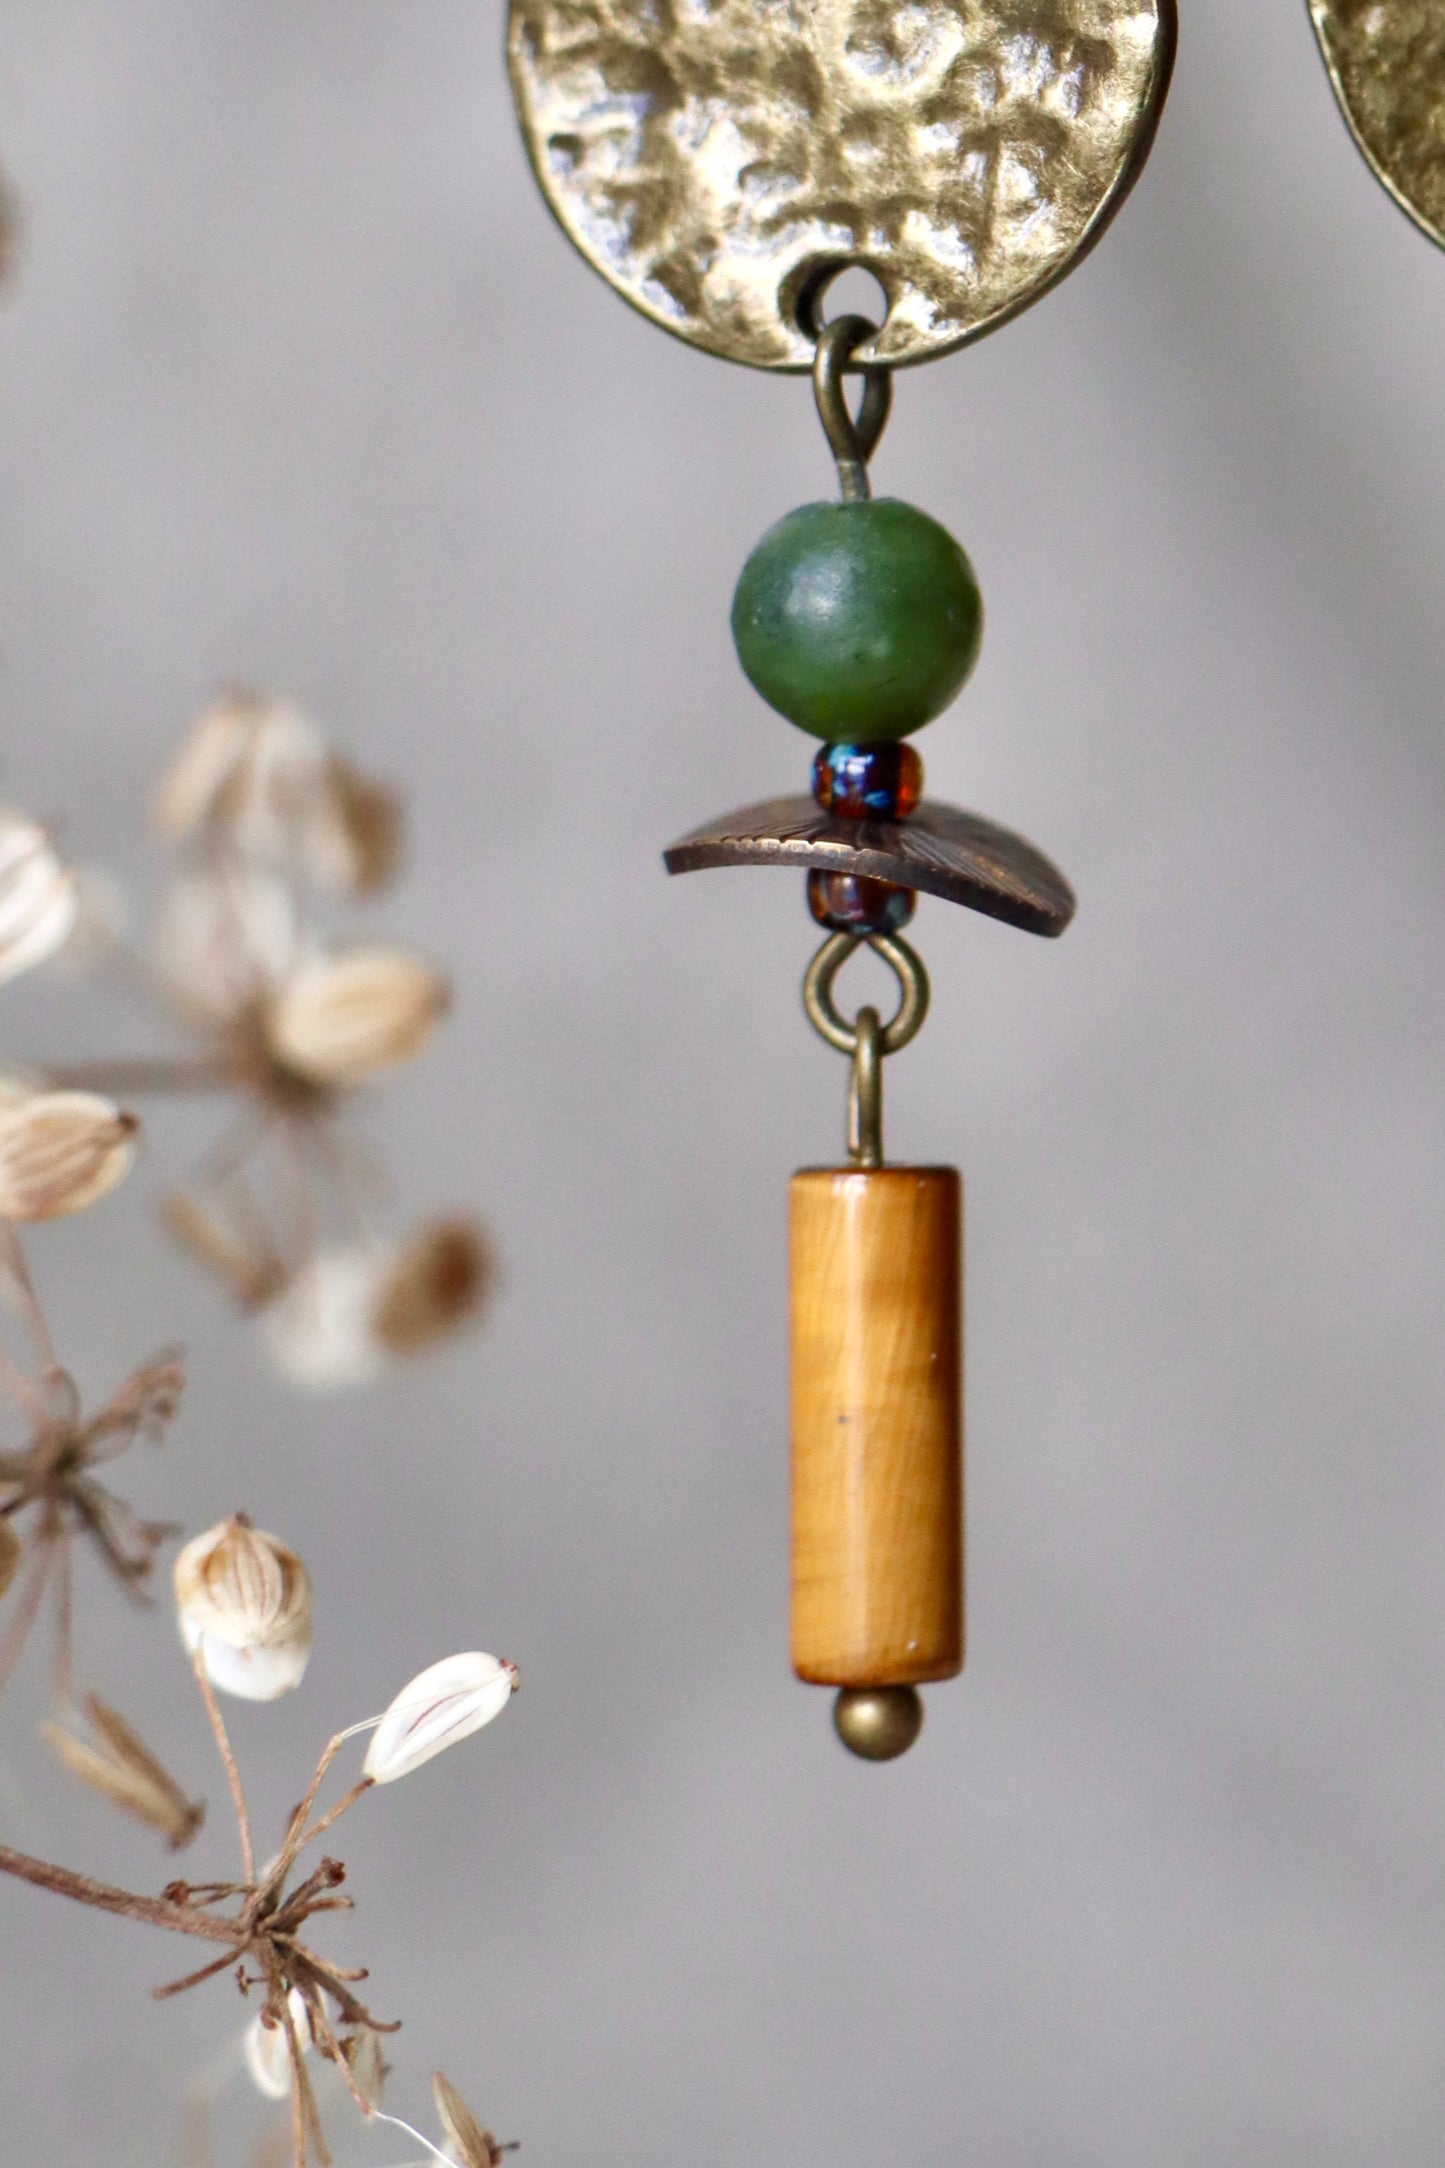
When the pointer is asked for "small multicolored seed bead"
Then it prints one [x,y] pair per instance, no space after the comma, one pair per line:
[851,903]
[881,782]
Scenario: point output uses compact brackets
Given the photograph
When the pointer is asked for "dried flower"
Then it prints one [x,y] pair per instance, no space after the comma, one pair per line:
[343,1018]
[38,901]
[268,2050]
[10,1551]
[122,1769]
[52,1483]
[243,1599]
[61,1151]
[256,775]
[444,1704]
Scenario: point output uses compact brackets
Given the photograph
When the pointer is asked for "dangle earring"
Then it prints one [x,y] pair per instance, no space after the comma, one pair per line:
[720,162]
[1387,64]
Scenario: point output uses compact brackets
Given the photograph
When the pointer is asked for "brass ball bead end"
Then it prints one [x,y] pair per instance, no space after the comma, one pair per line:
[878,1723]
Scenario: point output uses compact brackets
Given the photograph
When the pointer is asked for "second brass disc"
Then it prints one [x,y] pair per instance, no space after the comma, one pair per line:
[1386,60]
[718,160]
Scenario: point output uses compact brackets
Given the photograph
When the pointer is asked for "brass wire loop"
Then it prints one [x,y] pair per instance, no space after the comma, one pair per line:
[905,964]
[852,439]
[865,1093]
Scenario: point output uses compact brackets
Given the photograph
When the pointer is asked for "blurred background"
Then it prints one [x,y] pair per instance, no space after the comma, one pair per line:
[300,384]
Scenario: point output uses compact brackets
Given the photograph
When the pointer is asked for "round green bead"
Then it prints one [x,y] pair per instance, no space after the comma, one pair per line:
[858,621]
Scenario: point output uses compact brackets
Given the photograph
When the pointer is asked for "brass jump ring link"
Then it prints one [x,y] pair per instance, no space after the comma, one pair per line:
[906,966]
[852,439]
[865,1093]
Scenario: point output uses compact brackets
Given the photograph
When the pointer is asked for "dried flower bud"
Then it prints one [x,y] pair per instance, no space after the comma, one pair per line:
[10,1550]
[38,901]
[469,2145]
[445,1703]
[436,1283]
[123,1770]
[243,1599]
[342,1018]
[268,2050]
[61,1151]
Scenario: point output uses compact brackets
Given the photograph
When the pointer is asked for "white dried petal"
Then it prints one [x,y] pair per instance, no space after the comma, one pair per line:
[321,1329]
[243,1600]
[443,1704]
[10,1550]
[38,900]
[268,2051]
[340,1019]
[61,1151]
[225,941]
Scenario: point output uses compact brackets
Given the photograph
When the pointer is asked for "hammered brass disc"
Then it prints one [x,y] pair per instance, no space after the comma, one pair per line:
[1387,62]
[718,160]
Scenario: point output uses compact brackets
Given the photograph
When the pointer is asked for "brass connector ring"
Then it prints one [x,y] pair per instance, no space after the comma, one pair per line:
[906,966]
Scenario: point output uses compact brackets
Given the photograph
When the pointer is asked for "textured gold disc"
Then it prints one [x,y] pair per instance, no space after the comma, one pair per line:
[1387,62]
[718,160]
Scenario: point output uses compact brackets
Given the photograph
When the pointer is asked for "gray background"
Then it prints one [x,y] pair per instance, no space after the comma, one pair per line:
[300,383]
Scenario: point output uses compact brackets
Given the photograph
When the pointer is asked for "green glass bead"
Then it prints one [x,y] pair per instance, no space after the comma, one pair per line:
[858,621]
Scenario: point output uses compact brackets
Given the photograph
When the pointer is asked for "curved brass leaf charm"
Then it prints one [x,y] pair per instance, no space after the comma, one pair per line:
[1387,62]
[718,160]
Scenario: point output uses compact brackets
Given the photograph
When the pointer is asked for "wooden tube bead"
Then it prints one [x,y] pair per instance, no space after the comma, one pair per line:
[877,1425]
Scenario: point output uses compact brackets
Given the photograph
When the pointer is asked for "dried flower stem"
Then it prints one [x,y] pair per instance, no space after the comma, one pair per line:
[228,1763]
[143,1076]
[152,1911]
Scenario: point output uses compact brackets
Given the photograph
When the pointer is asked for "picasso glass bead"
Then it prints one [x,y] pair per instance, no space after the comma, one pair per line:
[868,782]
[851,903]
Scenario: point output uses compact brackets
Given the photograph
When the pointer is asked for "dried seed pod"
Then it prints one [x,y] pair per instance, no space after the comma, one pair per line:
[38,897]
[435,1284]
[356,840]
[248,770]
[441,1705]
[61,1151]
[123,1770]
[469,2145]
[342,1018]
[10,1550]
[268,2051]
[243,1599]
[321,1327]
[368,2066]
[236,1255]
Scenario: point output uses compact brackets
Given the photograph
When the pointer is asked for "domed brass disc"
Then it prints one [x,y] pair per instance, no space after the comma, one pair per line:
[1387,62]
[718,160]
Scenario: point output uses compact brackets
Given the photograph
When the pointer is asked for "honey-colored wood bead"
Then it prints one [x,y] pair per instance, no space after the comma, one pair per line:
[877,1425]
